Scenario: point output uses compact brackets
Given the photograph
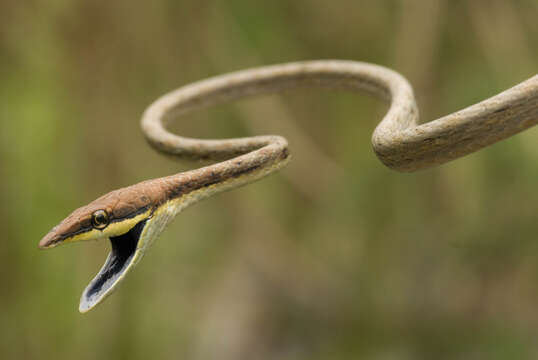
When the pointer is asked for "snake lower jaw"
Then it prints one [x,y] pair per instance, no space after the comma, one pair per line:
[124,254]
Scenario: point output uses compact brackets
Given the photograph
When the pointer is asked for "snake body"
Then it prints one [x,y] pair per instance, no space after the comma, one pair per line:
[134,216]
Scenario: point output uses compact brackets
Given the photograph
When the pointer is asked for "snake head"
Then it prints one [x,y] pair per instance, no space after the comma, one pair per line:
[123,216]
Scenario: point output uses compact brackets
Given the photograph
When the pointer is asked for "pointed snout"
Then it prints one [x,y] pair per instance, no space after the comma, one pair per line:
[50,240]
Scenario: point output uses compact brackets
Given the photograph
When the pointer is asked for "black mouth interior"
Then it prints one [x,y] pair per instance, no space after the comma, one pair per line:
[121,255]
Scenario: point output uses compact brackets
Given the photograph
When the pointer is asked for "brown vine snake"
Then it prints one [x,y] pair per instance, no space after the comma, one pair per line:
[134,216]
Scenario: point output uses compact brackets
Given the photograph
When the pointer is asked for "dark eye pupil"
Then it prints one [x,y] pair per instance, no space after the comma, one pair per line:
[100,218]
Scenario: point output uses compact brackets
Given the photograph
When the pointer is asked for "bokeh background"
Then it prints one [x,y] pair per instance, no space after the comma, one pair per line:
[335,257]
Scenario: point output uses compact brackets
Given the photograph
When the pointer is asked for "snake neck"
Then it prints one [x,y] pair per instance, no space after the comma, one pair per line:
[186,188]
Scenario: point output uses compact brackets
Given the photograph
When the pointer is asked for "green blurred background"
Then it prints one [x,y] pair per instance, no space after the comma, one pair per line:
[336,257]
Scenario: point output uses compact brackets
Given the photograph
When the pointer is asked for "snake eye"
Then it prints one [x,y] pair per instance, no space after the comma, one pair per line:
[100,219]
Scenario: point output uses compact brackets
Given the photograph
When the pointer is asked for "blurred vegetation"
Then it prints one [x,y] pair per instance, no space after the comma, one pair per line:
[336,257]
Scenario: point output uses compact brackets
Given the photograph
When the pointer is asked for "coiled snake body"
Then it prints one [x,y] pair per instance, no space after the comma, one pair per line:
[134,216]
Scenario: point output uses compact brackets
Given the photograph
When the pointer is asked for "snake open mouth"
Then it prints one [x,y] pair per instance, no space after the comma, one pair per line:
[123,250]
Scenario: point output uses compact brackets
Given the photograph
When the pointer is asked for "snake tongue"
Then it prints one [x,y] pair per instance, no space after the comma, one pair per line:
[118,263]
